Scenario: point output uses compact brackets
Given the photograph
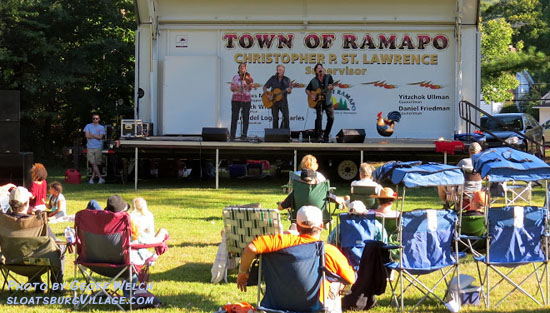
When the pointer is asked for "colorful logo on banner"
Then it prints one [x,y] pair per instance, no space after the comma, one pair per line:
[342,101]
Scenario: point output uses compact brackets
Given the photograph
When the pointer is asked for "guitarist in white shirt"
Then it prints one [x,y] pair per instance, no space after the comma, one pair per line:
[280,85]
[322,82]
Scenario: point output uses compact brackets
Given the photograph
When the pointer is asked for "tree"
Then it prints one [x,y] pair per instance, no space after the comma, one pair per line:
[68,58]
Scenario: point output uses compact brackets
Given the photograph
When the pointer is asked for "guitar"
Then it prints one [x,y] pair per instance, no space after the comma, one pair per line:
[319,95]
[275,95]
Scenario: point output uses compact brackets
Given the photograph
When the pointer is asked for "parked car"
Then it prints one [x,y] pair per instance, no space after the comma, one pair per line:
[522,123]
[546,131]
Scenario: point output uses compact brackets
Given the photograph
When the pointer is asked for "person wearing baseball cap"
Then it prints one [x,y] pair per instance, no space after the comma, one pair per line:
[309,223]
[307,176]
[385,203]
[19,201]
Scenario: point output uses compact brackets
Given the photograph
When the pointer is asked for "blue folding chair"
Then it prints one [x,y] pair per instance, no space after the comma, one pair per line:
[426,238]
[516,236]
[293,278]
[353,232]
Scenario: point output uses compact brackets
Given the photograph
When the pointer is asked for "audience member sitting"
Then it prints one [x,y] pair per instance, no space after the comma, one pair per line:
[144,223]
[385,203]
[365,180]
[5,197]
[359,208]
[309,162]
[39,188]
[93,205]
[477,204]
[310,225]
[19,206]
[307,176]
[56,201]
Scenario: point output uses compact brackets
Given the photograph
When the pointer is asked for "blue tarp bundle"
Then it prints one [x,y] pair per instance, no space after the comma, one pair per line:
[506,164]
[428,175]
[383,173]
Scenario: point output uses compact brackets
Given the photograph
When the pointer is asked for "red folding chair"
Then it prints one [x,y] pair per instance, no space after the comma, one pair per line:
[103,246]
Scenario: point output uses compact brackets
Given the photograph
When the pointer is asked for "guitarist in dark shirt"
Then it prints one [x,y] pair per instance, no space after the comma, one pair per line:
[322,82]
[280,87]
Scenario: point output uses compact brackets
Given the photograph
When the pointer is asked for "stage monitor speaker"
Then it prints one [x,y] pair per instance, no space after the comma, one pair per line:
[351,136]
[277,135]
[215,134]
[9,137]
[15,168]
[9,104]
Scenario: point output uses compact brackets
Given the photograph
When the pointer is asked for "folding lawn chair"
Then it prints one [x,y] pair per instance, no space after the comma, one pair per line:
[307,194]
[389,223]
[363,193]
[354,231]
[472,233]
[426,238]
[27,249]
[293,278]
[242,225]
[516,236]
[103,246]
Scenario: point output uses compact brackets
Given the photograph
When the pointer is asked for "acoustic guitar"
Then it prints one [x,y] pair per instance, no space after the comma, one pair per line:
[319,95]
[270,97]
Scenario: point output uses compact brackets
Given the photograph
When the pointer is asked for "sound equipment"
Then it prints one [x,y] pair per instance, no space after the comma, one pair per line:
[350,136]
[148,129]
[9,137]
[15,168]
[131,128]
[277,135]
[9,104]
[215,134]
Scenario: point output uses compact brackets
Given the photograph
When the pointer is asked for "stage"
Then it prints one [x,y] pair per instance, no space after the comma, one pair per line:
[372,149]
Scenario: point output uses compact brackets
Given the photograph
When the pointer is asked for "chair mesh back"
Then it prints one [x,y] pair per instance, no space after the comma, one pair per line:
[355,230]
[306,194]
[363,193]
[242,225]
[293,278]
[427,239]
[513,240]
[103,237]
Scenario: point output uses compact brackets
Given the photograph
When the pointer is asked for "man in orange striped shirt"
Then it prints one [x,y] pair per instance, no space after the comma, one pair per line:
[309,220]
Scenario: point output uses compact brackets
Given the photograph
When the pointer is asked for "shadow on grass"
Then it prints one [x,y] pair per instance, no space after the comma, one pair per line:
[189,272]
[197,244]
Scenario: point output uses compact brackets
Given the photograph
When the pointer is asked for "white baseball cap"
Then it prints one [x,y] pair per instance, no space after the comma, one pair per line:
[20,194]
[309,216]
[357,207]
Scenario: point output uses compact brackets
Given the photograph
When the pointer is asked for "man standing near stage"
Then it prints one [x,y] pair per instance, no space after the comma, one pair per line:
[281,82]
[95,133]
[322,82]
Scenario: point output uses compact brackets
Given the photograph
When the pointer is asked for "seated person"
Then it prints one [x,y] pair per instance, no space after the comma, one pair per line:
[306,176]
[477,204]
[385,203]
[359,208]
[19,206]
[309,162]
[144,221]
[5,197]
[310,225]
[365,180]
[56,201]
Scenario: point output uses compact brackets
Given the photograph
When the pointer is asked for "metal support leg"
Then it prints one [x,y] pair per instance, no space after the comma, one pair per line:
[217,168]
[295,159]
[361,161]
[136,170]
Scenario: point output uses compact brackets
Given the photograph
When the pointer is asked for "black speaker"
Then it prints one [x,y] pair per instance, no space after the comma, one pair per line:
[9,137]
[277,135]
[351,136]
[215,134]
[9,104]
[15,168]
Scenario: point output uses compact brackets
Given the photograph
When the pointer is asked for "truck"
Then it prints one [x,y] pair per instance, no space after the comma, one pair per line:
[405,62]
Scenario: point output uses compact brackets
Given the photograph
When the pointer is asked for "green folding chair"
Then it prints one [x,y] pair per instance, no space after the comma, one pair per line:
[307,194]
[363,193]
[389,223]
[472,231]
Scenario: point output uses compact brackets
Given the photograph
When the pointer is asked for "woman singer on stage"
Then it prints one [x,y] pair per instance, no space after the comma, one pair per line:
[241,85]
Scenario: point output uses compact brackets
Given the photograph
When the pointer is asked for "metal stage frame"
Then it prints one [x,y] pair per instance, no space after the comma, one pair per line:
[193,143]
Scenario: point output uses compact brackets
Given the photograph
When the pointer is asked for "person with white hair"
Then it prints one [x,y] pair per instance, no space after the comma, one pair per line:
[309,223]
[143,224]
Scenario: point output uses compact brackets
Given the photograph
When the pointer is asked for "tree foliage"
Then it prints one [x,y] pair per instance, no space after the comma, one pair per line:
[68,58]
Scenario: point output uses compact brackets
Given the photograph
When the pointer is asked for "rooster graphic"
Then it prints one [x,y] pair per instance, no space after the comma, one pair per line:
[385,126]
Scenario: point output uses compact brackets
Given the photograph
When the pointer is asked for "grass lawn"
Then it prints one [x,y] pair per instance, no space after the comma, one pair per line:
[191,211]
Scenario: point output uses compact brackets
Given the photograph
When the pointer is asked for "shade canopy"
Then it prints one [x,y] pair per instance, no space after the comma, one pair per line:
[506,164]
[415,174]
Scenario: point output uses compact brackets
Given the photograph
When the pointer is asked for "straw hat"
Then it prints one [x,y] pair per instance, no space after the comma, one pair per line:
[386,193]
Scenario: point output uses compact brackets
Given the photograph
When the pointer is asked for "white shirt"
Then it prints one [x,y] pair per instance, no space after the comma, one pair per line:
[366,182]
[55,201]
[145,226]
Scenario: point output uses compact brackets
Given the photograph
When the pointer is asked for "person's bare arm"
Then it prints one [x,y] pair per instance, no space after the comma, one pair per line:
[247,257]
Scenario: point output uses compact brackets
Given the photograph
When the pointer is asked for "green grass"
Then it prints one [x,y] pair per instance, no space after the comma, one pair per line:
[191,211]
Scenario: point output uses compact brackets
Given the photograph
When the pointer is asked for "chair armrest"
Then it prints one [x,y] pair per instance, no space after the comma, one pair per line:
[392,247]
[472,237]
[150,245]
[334,277]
